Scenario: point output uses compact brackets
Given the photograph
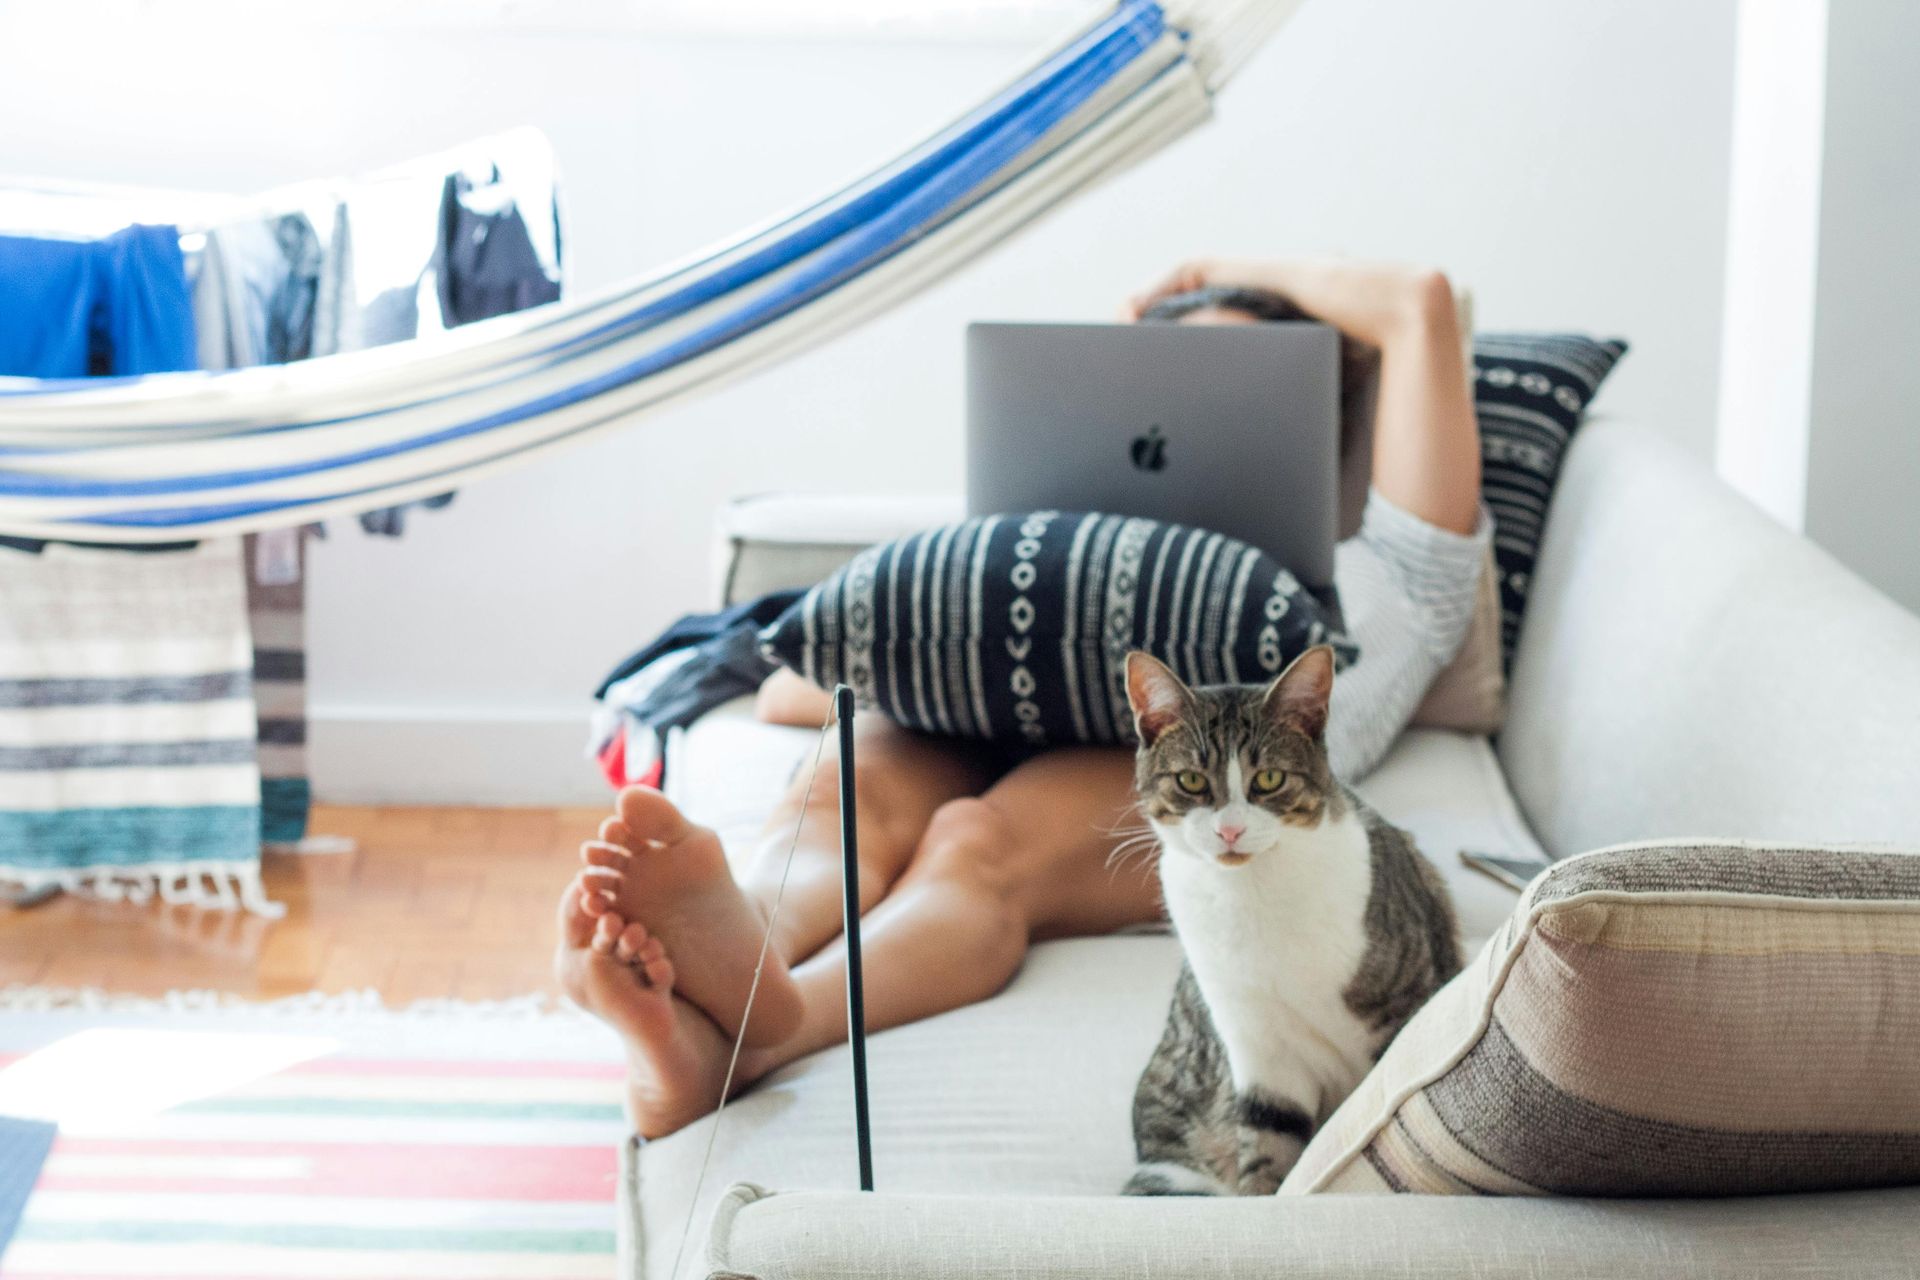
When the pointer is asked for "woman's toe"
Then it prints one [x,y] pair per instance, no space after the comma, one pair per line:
[607,933]
[602,853]
[658,973]
[631,940]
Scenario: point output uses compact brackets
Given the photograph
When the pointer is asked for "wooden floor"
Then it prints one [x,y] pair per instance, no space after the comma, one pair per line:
[434,903]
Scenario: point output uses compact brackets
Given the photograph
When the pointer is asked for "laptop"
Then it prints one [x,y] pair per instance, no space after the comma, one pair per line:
[1233,428]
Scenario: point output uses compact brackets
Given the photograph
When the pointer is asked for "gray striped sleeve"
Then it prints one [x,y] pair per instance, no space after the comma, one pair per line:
[1407,591]
[1439,570]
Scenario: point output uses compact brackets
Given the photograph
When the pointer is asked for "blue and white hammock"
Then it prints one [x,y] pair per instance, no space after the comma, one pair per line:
[171,456]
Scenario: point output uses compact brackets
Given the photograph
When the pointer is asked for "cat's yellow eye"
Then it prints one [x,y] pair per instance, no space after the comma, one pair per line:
[1192,783]
[1268,780]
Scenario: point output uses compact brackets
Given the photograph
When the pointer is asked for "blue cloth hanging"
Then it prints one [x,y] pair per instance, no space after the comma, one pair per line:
[83,308]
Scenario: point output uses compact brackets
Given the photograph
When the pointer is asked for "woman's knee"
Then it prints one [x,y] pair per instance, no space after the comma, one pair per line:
[972,843]
[969,859]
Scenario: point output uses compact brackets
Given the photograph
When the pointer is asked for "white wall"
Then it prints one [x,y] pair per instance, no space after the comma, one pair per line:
[1773,236]
[1863,464]
[1569,161]
[1818,379]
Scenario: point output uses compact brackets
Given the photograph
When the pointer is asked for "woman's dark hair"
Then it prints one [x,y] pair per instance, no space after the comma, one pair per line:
[1261,304]
[1357,361]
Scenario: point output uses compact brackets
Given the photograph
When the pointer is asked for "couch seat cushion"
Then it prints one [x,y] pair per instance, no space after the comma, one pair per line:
[1030,1092]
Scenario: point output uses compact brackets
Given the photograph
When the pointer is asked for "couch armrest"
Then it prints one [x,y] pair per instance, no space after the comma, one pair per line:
[1689,667]
[771,541]
[827,1235]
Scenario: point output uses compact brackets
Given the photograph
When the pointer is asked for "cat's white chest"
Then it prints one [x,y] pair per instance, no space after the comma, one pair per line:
[1274,945]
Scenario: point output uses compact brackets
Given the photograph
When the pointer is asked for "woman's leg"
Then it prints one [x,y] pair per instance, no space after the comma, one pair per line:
[901,780]
[657,869]
[1033,857]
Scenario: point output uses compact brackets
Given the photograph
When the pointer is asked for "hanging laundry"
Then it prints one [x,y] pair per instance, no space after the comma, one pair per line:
[391,522]
[126,707]
[416,250]
[490,263]
[275,566]
[377,284]
[75,308]
[253,299]
[80,308]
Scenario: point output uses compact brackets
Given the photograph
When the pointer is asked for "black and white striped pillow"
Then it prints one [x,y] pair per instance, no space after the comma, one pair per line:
[1015,628]
[1530,392]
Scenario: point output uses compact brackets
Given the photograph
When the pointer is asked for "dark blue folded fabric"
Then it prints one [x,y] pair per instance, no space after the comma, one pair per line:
[489,265]
[699,628]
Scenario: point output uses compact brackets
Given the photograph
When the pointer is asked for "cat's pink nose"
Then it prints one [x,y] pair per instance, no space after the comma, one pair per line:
[1230,833]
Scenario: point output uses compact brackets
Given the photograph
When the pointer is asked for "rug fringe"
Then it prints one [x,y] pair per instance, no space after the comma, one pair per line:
[221,886]
[312,1004]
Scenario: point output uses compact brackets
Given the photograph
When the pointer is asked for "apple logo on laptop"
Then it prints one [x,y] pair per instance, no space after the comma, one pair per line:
[1150,450]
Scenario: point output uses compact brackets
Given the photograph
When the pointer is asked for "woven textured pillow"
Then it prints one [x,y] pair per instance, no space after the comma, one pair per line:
[1530,392]
[1688,1018]
[1016,628]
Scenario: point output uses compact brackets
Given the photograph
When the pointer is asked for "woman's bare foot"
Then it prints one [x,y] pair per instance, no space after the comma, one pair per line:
[653,866]
[677,1058]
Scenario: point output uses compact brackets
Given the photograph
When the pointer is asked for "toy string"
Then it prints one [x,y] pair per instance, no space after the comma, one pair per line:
[753,989]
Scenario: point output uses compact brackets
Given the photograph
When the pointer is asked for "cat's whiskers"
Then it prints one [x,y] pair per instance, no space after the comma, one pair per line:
[1135,841]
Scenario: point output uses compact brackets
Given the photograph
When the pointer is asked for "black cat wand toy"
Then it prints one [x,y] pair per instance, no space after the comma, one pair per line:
[856,997]
[850,883]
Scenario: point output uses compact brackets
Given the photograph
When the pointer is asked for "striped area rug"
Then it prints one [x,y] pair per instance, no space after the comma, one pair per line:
[311,1142]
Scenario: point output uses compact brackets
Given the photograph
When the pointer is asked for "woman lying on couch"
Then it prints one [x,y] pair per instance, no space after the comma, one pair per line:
[965,861]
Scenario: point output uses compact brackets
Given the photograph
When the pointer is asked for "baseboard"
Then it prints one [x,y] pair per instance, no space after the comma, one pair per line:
[379,756]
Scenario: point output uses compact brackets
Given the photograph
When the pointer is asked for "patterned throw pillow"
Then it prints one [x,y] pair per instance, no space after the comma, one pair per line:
[1015,628]
[1530,391]
[1684,1018]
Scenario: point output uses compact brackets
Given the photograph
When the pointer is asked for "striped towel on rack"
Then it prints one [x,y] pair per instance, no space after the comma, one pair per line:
[127,733]
[277,613]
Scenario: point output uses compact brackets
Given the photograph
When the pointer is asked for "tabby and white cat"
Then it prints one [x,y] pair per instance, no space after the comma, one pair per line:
[1312,927]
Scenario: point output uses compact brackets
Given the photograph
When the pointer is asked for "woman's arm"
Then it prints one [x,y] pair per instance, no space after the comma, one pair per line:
[1426,443]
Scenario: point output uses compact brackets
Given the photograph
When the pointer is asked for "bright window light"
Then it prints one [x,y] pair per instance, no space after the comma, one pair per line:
[98,1081]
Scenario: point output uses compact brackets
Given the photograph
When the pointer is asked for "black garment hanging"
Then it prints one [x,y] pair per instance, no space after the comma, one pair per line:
[489,266]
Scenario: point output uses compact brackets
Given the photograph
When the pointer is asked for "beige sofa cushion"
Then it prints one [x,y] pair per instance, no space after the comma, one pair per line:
[1677,1018]
[1470,693]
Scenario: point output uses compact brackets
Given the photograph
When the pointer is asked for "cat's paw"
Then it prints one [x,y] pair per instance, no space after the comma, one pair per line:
[1161,1178]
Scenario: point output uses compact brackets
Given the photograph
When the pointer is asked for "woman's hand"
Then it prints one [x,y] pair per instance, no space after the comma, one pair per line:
[1373,302]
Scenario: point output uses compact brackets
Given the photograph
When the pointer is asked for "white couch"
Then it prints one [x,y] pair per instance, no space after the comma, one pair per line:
[1686,667]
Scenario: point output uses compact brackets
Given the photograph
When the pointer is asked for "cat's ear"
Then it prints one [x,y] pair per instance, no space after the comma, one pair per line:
[1297,699]
[1158,698]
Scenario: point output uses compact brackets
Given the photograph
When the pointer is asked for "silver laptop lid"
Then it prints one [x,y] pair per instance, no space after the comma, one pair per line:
[1227,427]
